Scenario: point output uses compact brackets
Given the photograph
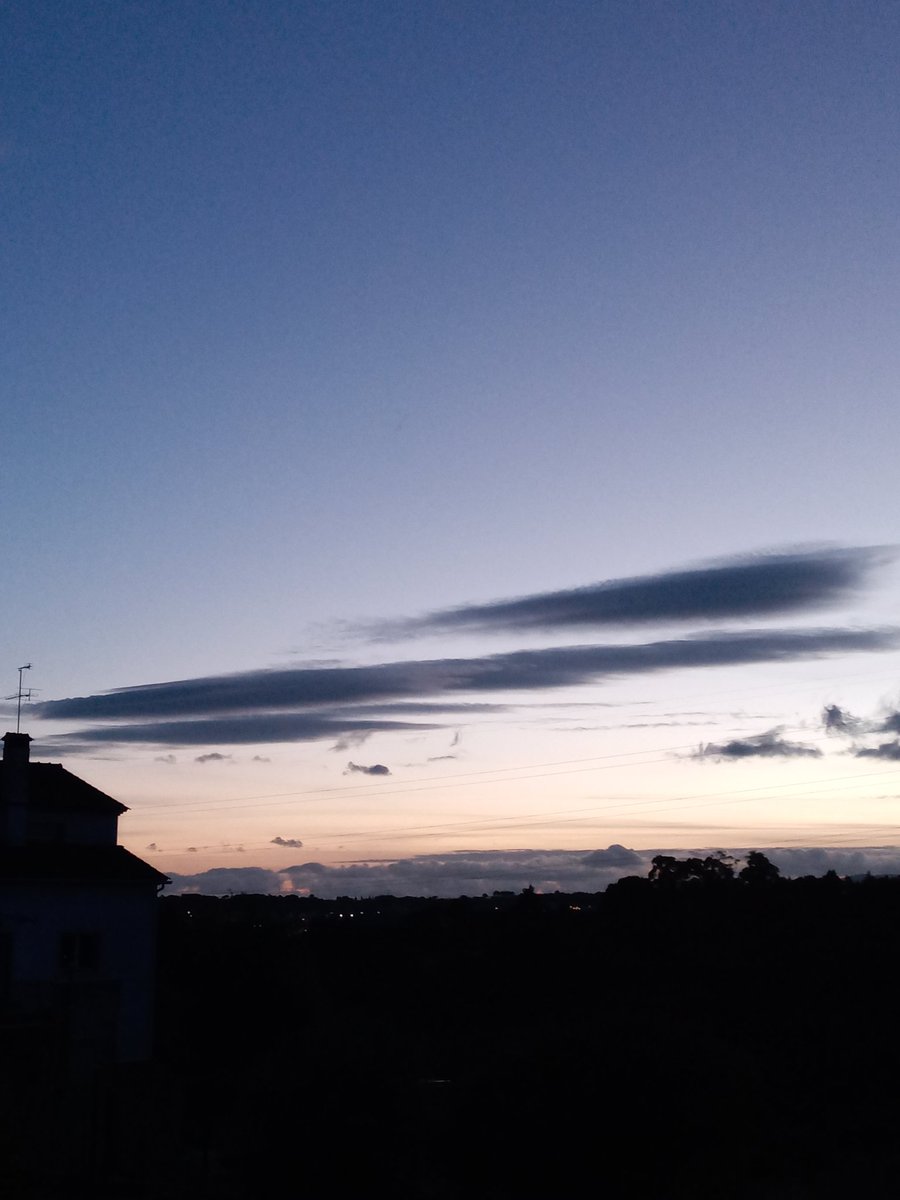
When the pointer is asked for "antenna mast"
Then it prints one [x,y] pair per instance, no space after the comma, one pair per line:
[20,695]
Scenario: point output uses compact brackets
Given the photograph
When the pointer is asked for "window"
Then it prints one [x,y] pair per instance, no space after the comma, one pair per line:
[79,951]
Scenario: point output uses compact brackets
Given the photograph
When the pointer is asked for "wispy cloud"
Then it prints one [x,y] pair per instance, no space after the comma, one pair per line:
[747,587]
[763,745]
[351,740]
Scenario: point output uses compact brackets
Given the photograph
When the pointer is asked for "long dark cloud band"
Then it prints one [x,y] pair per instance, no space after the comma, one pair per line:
[255,706]
[763,585]
[243,730]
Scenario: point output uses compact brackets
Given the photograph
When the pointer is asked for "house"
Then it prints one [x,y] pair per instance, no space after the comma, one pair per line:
[77,921]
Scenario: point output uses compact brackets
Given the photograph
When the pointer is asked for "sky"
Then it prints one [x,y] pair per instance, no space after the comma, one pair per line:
[447,442]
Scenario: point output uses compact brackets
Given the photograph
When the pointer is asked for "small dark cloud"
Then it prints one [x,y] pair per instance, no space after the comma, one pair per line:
[890,723]
[290,843]
[260,758]
[214,756]
[191,850]
[152,846]
[356,769]
[889,751]
[763,745]
[165,758]
[748,587]
[838,720]
[443,758]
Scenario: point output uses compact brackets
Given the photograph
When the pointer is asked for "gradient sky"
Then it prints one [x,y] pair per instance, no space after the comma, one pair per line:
[331,326]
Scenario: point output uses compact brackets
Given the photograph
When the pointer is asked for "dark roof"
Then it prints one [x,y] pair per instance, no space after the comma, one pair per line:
[49,862]
[52,788]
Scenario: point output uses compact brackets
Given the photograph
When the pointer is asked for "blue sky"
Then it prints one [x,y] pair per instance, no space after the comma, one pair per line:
[324,317]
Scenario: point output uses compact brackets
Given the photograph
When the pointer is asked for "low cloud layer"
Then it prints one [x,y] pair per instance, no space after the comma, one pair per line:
[466,873]
[312,703]
[762,745]
[750,587]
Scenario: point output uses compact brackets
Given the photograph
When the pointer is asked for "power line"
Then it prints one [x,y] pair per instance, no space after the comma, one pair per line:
[648,805]
[428,783]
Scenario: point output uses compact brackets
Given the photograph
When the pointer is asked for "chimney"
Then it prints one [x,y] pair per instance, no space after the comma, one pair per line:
[15,788]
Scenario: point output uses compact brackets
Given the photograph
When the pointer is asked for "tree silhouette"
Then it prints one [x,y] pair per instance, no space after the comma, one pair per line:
[759,871]
[668,871]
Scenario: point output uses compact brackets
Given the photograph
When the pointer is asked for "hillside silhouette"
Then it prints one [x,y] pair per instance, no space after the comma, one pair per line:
[702,1032]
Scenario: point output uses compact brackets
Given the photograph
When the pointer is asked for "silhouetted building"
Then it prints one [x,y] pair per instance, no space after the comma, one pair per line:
[77,921]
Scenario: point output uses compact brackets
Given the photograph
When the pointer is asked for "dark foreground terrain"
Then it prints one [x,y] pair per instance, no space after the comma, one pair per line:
[705,1038]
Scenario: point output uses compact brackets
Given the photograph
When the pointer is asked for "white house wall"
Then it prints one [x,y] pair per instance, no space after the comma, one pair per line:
[35,916]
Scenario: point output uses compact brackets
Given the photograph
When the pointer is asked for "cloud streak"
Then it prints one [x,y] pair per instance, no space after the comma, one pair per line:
[740,588]
[248,728]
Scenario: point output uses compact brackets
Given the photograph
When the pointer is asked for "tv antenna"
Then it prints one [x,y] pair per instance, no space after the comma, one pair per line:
[21,694]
